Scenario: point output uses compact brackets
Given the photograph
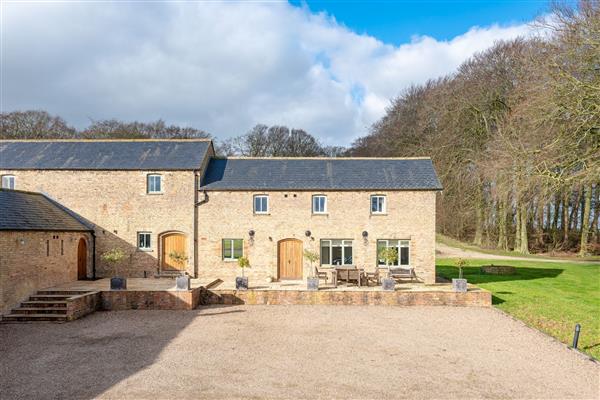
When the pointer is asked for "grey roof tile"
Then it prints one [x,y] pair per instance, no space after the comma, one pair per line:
[34,212]
[320,174]
[104,155]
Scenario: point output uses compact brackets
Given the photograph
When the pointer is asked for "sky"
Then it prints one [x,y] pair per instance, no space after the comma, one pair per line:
[330,68]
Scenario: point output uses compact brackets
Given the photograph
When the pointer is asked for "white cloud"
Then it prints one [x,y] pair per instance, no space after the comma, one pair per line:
[222,67]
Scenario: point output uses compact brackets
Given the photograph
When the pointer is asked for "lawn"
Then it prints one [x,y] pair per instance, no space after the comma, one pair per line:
[551,297]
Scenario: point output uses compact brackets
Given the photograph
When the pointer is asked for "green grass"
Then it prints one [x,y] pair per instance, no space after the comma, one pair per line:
[551,297]
[466,246]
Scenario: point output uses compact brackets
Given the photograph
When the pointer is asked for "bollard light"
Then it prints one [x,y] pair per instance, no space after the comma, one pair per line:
[576,335]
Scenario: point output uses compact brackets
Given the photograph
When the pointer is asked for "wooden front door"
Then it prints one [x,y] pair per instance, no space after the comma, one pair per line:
[289,256]
[172,242]
[82,259]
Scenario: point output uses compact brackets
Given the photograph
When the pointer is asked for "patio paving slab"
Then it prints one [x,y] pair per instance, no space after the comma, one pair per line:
[292,352]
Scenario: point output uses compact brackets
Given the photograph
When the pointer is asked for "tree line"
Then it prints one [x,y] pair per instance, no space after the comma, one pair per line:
[515,137]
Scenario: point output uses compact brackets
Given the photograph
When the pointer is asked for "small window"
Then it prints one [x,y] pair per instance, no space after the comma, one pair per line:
[47,248]
[8,182]
[154,184]
[378,204]
[232,249]
[62,247]
[401,246]
[319,204]
[261,204]
[144,241]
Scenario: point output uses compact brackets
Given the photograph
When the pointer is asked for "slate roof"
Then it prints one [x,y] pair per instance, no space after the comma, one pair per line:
[104,154]
[28,211]
[320,174]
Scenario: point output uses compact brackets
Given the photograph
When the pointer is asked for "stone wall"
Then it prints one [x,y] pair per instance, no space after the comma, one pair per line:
[229,214]
[117,202]
[26,266]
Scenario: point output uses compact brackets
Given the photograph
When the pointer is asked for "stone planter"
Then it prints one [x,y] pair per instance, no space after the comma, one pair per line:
[312,283]
[388,284]
[183,282]
[241,283]
[459,285]
[117,283]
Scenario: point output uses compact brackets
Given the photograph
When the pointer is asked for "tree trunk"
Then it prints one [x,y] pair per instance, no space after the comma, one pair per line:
[594,227]
[540,225]
[517,227]
[575,211]
[557,201]
[502,238]
[565,223]
[524,245]
[585,222]
[478,239]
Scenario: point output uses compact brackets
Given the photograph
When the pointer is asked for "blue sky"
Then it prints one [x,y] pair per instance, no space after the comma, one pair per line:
[330,68]
[396,22]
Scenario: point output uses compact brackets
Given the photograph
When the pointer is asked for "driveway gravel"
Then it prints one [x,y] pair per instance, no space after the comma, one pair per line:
[291,352]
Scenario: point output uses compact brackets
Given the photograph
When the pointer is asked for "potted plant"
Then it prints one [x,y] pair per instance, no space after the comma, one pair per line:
[390,256]
[460,284]
[312,282]
[182,281]
[241,282]
[113,257]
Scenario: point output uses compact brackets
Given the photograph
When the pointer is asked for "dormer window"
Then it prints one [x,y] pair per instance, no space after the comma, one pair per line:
[154,184]
[261,204]
[378,205]
[8,182]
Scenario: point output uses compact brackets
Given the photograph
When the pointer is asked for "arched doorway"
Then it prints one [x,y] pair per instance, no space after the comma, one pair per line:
[82,259]
[172,242]
[289,259]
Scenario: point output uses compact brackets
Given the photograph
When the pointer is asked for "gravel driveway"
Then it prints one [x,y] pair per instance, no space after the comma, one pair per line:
[291,352]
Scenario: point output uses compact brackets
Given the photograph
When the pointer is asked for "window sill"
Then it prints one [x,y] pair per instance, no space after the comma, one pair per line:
[378,214]
[262,213]
[145,250]
[230,260]
[320,214]
[154,193]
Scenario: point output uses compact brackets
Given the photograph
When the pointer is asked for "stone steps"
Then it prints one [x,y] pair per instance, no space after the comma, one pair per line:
[46,303]
[34,318]
[40,310]
[44,306]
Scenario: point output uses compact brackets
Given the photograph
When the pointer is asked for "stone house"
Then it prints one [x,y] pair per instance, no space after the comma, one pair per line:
[41,244]
[153,197]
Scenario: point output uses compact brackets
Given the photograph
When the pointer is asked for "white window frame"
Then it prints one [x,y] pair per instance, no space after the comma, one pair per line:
[316,196]
[148,246]
[9,182]
[344,243]
[260,196]
[230,243]
[383,205]
[401,243]
[149,189]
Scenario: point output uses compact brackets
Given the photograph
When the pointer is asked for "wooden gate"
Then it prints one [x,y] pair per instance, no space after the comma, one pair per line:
[289,259]
[82,259]
[172,242]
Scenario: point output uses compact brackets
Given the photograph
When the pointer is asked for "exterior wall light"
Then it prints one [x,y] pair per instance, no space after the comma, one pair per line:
[251,232]
[307,233]
[365,234]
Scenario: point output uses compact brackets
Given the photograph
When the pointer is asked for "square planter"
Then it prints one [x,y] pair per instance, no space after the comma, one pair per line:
[241,283]
[459,285]
[117,283]
[312,283]
[182,282]
[388,284]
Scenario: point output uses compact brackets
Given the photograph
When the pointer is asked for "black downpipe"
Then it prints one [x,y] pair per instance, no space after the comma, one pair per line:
[94,254]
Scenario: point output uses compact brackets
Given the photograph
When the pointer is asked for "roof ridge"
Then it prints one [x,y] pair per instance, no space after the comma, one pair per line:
[107,140]
[321,158]
[21,191]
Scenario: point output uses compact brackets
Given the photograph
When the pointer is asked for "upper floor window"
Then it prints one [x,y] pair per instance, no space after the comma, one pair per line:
[378,205]
[261,204]
[154,183]
[319,204]
[144,242]
[232,249]
[8,182]
[402,248]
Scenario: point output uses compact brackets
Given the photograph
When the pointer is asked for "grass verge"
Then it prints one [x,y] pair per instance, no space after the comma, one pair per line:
[551,297]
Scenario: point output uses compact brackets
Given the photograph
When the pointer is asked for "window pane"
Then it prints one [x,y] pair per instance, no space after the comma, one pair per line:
[141,241]
[336,255]
[404,256]
[238,248]
[373,204]
[256,204]
[325,252]
[381,244]
[348,255]
[157,182]
[226,248]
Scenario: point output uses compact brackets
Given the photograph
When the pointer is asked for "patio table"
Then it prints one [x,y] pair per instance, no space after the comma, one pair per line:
[349,273]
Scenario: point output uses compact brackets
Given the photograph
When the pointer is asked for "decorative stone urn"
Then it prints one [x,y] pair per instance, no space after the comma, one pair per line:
[312,283]
[459,285]
[182,282]
[388,284]
[118,283]
[241,283]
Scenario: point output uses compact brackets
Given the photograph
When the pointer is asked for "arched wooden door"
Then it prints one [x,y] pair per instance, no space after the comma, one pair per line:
[289,259]
[82,259]
[172,242]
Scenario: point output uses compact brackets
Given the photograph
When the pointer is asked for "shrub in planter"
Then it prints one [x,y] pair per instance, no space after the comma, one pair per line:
[182,282]
[312,282]
[390,256]
[241,282]
[460,284]
[113,257]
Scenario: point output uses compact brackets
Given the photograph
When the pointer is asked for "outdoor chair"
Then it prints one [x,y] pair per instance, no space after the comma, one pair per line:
[373,277]
[321,274]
